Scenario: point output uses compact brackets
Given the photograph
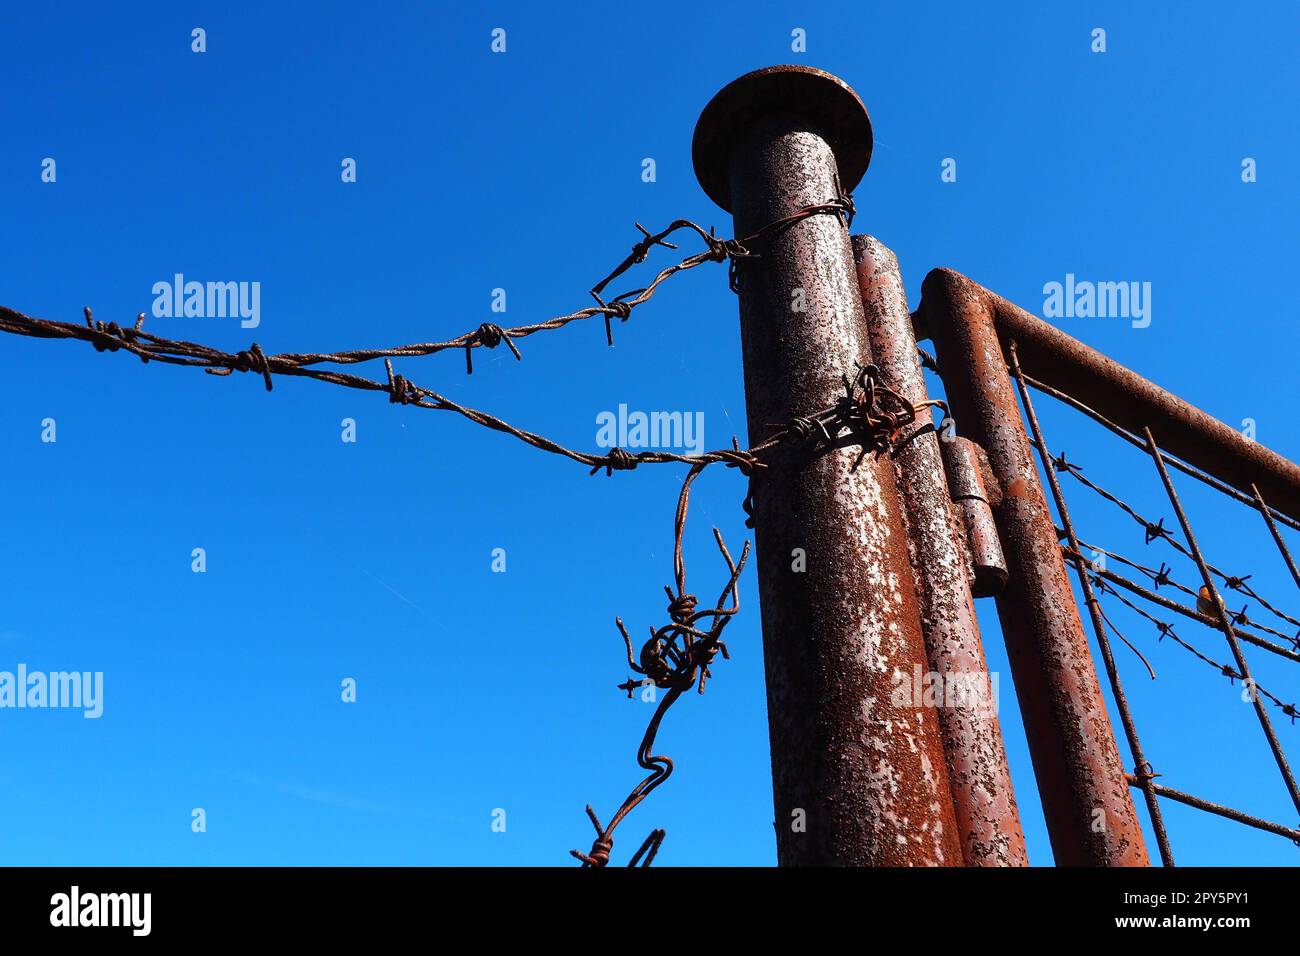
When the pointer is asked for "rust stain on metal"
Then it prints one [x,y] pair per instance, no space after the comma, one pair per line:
[857,778]
[962,463]
[979,780]
[1121,395]
[1089,813]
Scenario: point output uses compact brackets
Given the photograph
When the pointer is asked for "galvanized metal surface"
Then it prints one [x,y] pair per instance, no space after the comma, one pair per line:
[1089,814]
[858,779]
[983,797]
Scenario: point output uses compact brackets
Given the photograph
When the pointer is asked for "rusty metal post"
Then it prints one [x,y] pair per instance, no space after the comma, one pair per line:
[985,804]
[1086,802]
[858,774]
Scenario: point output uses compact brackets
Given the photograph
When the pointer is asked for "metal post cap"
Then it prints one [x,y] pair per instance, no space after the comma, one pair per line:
[826,100]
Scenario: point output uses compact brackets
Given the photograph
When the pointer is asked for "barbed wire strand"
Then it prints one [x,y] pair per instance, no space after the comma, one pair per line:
[1160,577]
[860,413]
[112,337]
[679,655]
[1143,778]
[1164,578]
[1157,531]
[930,362]
[1225,621]
[1166,629]
[1141,765]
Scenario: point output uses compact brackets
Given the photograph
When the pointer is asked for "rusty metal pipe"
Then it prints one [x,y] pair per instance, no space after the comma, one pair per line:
[859,776]
[983,798]
[1128,399]
[1098,616]
[1086,803]
[964,461]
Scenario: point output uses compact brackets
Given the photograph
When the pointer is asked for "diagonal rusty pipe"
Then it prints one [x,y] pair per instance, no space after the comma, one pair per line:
[1089,813]
[859,775]
[988,821]
[1125,397]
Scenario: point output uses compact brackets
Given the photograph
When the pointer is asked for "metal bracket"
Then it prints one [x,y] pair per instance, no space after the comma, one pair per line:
[975,491]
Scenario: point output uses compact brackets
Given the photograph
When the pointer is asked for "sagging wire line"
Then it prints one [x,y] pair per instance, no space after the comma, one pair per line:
[1157,531]
[679,654]
[111,336]
[1102,588]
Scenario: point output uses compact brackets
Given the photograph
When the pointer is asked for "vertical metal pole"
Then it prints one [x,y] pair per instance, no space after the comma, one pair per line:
[1141,768]
[985,803]
[1277,535]
[1225,623]
[858,773]
[1086,802]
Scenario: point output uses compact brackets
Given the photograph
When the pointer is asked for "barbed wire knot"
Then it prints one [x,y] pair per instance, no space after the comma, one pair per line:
[252,359]
[600,847]
[1157,530]
[1144,771]
[1062,465]
[489,336]
[400,390]
[616,459]
[680,607]
[641,249]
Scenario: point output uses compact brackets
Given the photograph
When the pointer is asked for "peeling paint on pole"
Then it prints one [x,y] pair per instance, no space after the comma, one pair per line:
[983,798]
[858,777]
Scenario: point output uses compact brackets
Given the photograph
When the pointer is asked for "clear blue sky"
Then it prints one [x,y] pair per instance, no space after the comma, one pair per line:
[523,171]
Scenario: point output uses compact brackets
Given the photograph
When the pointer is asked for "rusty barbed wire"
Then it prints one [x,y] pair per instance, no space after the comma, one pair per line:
[1095,577]
[112,337]
[1163,577]
[679,655]
[1157,531]
[1166,629]
[674,669]
[1197,613]
[1252,502]
[148,347]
